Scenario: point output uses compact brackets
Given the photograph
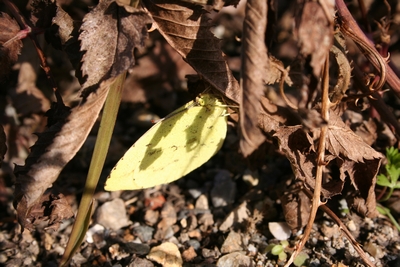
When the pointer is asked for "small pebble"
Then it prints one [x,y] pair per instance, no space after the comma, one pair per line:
[139,262]
[235,259]
[205,220]
[95,229]
[280,230]
[167,254]
[233,242]
[202,203]
[112,215]
[189,254]
[144,232]
[193,243]
[238,215]
[250,177]
[252,249]
[210,253]
[151,216]
[224,190]
[136,248]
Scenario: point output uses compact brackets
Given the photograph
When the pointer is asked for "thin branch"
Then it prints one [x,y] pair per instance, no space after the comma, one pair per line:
[352,29]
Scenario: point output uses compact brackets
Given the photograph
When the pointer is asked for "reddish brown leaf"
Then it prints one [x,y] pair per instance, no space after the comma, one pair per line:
[186,27]
[314,34]
[109,35]
[10,44]
[254,58]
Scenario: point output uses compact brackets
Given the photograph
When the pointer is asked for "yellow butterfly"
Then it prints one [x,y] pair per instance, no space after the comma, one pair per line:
[176,145]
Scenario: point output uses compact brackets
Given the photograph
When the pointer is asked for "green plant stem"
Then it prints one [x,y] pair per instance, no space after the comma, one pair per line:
[385,211]
[107,123]
[388,195]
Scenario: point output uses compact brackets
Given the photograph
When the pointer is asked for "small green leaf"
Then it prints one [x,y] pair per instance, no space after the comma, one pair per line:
[269,248]
[397,186]
[284,243]
[300,259]
[382,180]
[276,250]
[394,173]
[282,256]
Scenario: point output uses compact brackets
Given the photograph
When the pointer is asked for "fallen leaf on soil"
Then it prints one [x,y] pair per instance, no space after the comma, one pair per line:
[51,208]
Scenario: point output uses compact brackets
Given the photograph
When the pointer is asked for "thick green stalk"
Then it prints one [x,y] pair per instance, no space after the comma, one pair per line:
[85,210]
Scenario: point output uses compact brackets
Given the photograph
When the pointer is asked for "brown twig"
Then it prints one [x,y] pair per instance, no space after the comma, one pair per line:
[344,229]
[351,28]
[316,199]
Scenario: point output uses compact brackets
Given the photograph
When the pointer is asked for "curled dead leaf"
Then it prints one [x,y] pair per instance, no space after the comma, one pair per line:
[344,149]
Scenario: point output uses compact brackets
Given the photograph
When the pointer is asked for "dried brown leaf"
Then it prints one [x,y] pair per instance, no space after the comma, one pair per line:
[254,58]
[363,178]
[51,208]
[272,117]
[9,47]
[186,27]
[296,208]
[314,33]
[273,71]
[109,36]
[346,150]
[342,142]
[67,130]
[65,36]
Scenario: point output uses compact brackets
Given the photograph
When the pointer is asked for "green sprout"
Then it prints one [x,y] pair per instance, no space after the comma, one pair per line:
[279,250]
[390,181]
